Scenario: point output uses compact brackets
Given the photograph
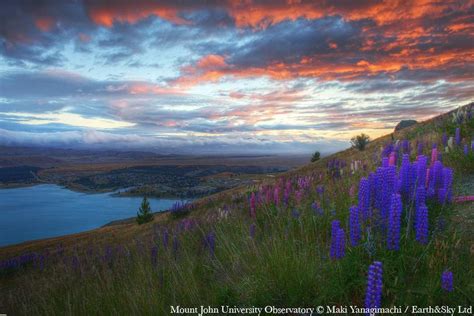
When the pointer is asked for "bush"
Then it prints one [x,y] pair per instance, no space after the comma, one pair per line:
[360,141]
[144,214]
[316,156]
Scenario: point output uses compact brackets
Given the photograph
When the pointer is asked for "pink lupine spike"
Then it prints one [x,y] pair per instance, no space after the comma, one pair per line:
[434,155]
[460,199]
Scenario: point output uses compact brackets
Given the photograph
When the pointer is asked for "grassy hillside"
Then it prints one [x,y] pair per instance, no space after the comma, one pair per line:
[277,244]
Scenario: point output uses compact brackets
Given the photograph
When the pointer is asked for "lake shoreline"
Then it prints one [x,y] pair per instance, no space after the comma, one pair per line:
[49,210]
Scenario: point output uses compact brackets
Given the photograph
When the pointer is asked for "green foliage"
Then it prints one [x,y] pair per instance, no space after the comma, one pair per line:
[144,214]
[360,141]
[316,156]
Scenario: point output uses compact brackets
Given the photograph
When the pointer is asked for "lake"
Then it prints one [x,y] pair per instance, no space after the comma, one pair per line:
[49,210]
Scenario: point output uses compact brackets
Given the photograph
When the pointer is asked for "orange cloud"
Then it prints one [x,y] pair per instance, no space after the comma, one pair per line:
[44,24]
[105,13]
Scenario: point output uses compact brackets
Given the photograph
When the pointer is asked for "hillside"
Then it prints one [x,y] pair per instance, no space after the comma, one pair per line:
[292,241]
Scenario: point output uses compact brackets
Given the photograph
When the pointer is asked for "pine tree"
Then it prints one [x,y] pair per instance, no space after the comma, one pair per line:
[144,214]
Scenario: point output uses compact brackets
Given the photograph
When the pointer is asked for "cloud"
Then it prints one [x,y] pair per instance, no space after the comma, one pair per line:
[214,74]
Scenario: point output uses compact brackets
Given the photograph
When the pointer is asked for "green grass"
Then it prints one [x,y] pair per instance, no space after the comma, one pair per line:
[286,263]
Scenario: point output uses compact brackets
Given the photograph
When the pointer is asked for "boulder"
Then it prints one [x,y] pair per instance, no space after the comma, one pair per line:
[404,124]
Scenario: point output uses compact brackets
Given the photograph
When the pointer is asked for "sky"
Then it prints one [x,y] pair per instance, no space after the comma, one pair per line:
[228,76]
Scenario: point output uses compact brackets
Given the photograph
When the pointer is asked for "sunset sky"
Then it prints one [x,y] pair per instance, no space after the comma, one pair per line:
[228,76]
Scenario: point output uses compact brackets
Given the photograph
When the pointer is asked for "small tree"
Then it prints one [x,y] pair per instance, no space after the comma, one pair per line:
[316,156]
[360,141]
[144,214]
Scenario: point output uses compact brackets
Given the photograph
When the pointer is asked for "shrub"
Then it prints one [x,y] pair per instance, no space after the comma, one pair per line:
[144,214]
[316,156]
[360,141]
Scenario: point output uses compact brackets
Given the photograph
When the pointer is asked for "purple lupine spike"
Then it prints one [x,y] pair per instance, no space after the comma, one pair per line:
[388,188]
[442,195]
[154,256]
[394,222]
[373,295]
[354,225]
[457,136]
[211,242]
[295,213]
[253,206]
[341,237]
[466,150]
[175,244]
[447,281]
[435,177]
[419,149]
[385,162]
[420,197]
[320,189]
[335,251]
[317,210]
[405,176]
[165,238]
[252,230]
[406,146]
[421,226]
[444,139]
[364,198]
[448,182]
[422,163]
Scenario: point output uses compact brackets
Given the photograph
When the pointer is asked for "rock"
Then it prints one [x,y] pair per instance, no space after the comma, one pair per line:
[404,124]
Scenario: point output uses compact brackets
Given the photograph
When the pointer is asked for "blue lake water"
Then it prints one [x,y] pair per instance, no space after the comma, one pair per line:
[49,210]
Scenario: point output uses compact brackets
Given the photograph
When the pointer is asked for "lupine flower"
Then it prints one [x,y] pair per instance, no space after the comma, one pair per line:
[466,150]
[317,210]
[373,295]
[468,198]
[447,183]
[210,242]
[154,256]
[175,244]
[434,155]
[364,198]
[451,142]
[352,191]
[253,202]
[420,148]
[320,189]
[447,281]
[421,227]
[276,196]
[393,233]
[75,263]
[299,196]
[422,162]
[354,225]
[295,213]
[392,159]
[252,230]
[406,146]
[165,238]
[444,139]
[458,136]
[405,175]
[420,197]
[338,241]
